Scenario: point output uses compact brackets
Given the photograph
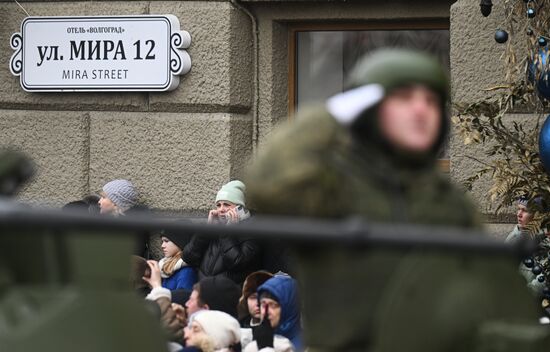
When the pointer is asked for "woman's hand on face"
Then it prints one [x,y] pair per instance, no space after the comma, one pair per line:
[154,280]
[213,216]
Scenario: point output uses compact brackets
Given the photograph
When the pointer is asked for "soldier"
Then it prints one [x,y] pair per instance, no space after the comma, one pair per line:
[57,294]
[371,151]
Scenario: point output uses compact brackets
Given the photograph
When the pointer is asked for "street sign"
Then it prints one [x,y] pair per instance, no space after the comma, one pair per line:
[100,53]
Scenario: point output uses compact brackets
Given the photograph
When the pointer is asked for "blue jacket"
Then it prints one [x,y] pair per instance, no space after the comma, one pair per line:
[285,290]
[185,278]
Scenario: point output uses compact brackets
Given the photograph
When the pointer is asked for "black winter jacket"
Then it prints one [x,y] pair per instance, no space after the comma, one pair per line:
[234,258]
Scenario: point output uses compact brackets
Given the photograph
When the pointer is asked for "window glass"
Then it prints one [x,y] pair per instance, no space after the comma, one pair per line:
[324,58]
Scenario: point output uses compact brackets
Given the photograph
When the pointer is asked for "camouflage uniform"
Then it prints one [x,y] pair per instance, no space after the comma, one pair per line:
[380,299]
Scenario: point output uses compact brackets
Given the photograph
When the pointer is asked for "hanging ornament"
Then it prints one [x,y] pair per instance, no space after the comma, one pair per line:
[544,144]
[531,12]
[538,73]
[486,6]
[529,31]
[542,41]
[501,36]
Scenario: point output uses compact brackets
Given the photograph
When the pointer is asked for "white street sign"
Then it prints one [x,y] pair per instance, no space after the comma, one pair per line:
[100,53]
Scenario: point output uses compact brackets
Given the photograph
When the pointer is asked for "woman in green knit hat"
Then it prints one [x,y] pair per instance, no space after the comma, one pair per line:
[231,257]
[230,204]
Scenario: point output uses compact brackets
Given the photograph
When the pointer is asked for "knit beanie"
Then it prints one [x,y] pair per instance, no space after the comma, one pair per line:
[220,293]
[533,205]
[122,193]
[221,327]
[523,201]
[232,192]
[180,239]
[180,296]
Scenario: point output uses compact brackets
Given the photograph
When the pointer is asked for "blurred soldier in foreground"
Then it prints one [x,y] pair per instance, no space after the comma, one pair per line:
[371,151]
[58,295]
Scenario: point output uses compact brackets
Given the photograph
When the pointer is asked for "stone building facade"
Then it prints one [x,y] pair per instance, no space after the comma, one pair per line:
[178,147]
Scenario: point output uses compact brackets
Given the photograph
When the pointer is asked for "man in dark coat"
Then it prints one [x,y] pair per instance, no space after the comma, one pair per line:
[371,151]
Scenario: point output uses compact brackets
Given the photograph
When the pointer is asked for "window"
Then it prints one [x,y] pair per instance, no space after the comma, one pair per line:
[321,56]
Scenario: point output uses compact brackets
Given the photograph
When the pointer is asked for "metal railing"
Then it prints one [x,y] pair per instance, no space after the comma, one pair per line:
[353,231]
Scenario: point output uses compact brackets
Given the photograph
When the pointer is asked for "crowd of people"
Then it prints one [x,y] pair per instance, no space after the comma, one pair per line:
[370,152]
[212,294]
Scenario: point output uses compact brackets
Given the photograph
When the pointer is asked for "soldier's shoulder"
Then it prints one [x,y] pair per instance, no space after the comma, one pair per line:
[294,157]
[301,141]
[459,203]
[313,126]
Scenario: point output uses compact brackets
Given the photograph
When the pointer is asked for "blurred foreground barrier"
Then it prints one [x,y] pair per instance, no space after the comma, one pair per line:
[297,231]
[64,275]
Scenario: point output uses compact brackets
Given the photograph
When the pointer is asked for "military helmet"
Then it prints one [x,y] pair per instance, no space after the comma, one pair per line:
[393,68]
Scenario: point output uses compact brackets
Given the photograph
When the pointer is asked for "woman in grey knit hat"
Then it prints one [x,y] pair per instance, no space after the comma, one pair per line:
[117,197]
[120,197]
